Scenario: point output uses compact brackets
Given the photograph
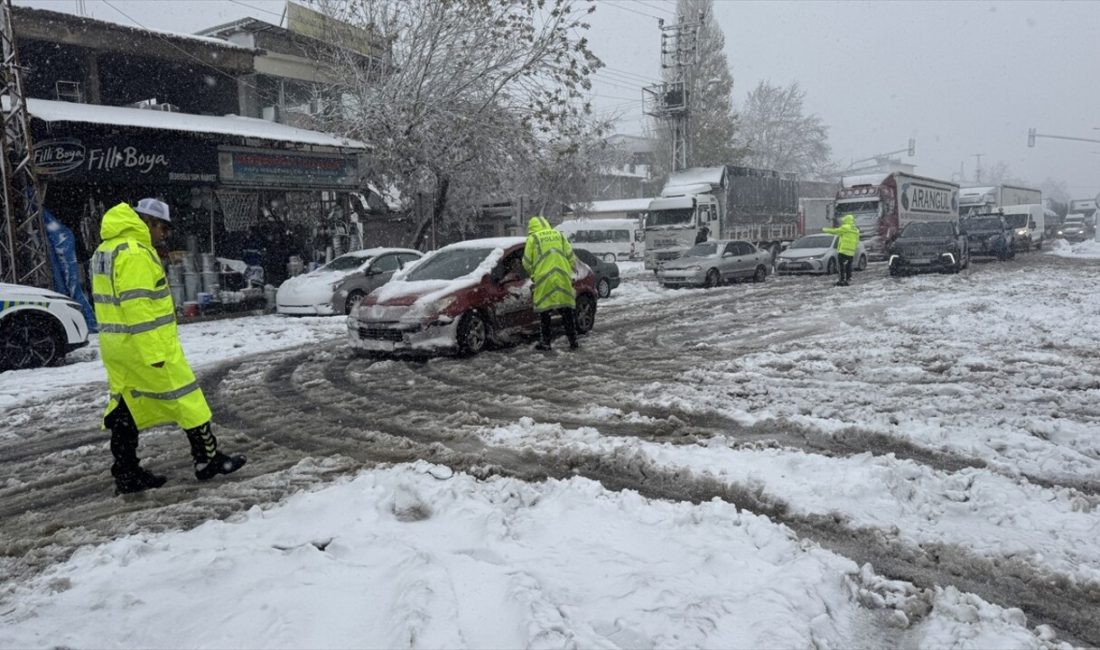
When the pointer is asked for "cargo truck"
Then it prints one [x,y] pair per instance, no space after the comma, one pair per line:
[883,204]
[986,200]
[727,202]
[814,214]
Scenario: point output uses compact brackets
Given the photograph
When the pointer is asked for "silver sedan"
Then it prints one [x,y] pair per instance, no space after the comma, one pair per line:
[712,263]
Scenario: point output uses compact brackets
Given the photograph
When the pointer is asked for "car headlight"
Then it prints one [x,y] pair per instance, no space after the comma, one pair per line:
[694,268]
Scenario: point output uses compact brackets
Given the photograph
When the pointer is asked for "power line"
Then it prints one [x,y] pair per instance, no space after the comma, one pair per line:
[650,6]
[266,11]
[607,3]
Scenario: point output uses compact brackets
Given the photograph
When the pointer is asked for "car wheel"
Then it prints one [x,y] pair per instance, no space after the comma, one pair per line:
[862,266]
[712,279]
[29,341]
[353,297]
[761,274]
[585,314]
[473,333]
[830,268]
[609,257]
[603,288]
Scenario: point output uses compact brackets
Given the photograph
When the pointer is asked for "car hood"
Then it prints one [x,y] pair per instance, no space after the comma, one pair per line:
[685,262]
[23,292]
[924,241]
[317,278]
[795,253]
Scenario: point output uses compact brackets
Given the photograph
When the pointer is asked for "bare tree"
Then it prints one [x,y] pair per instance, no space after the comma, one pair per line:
[713,123]
[457,93]
[780,136]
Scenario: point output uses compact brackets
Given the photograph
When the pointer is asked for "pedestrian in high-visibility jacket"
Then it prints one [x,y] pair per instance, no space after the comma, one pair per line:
[846,248]
[149,379]
[548,259]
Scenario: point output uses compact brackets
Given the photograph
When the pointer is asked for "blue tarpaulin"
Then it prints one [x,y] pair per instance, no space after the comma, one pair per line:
[66,269]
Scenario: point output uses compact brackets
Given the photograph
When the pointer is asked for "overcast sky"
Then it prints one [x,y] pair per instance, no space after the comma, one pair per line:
[962,78]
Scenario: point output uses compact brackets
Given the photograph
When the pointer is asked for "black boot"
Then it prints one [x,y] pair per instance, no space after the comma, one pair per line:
[135,479]
[129,476]
[209,462]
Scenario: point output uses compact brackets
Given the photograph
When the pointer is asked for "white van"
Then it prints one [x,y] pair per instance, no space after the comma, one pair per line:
[610,239]
[1028,223]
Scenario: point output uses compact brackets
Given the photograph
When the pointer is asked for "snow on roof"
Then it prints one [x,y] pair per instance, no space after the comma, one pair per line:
[615,205]
[696,176]
[572,225]
[249,127]
[863,179]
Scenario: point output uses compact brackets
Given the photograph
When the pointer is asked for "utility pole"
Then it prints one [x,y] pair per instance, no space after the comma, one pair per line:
[671,101]
[24,256]
[978,168]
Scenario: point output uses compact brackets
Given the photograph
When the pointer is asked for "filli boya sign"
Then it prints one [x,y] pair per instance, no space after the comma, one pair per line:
[112,160]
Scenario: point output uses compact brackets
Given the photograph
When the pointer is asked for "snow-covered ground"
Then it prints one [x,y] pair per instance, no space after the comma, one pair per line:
[997,366]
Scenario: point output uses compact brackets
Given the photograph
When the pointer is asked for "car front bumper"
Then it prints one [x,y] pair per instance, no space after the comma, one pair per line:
[800,265]
[931,261]
[322,309]
[401,336]
[682,277]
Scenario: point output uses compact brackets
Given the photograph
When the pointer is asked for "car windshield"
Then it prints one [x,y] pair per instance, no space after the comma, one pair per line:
[346,263]
[449,264]
[679,217]
[928,229]
[706,249]
[983,224]
[1016,220]
[814,241]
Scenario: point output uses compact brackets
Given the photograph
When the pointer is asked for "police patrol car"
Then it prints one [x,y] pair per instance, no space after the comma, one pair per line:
[38,327]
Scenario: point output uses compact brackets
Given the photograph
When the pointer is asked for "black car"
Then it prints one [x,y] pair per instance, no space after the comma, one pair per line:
[929,246]
[1073,230]
[607,273]
[988,235]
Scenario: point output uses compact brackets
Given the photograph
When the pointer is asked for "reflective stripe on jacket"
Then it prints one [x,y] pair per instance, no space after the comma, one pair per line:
[548,259]
[137,327]
[849,236]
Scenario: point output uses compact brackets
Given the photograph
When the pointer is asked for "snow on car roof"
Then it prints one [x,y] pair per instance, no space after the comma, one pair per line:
[378,250]
[487,242]
[432,290]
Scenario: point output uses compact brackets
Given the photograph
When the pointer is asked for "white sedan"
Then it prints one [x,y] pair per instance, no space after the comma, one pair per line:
[816,254]
[337,286]
[38,327]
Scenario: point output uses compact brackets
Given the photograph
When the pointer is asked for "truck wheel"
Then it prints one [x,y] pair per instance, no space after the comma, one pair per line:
[713,279]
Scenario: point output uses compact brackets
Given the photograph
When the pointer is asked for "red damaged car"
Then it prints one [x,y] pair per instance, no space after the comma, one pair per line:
[463,297]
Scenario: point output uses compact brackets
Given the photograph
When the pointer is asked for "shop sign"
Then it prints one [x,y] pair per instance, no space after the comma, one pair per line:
[270,168]
[118,160]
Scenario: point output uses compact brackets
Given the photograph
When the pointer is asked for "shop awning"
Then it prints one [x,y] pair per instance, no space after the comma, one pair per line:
[247,127]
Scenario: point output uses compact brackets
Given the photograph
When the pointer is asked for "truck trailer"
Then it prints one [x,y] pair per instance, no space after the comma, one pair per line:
[883,204]
[814,214]
[726,202]
[986,200]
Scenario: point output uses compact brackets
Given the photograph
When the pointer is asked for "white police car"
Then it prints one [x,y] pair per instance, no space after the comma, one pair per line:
[38,327]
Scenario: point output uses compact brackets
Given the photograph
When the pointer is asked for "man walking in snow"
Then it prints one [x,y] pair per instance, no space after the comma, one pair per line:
[548,259]
[846,248]
[150,381]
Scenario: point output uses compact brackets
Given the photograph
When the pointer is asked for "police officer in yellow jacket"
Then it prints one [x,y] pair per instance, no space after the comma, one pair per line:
[846,248]
[150,381]
[548,259]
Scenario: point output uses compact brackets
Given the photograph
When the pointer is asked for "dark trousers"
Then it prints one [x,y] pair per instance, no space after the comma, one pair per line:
[568,319]
[845,267]
[124,440]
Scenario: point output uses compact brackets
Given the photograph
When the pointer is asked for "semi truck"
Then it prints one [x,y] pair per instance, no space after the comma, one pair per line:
[883,204]
[986,200]
[724,202]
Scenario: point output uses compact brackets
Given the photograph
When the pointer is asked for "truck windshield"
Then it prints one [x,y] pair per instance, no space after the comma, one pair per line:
[679,217]
[857,208]
[1016,220]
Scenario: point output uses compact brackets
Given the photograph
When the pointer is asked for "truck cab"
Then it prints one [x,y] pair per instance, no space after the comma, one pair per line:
[674,223]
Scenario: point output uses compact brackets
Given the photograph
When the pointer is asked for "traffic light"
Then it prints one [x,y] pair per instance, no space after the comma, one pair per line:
[1031,137]
[912,147]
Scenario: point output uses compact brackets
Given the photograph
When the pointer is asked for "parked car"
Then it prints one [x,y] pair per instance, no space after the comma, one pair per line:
[463,297]
[988,235]
[607,273]
[929,246]
[1073,228]
[816,254]
[38,327]
[711,263]
[337,286]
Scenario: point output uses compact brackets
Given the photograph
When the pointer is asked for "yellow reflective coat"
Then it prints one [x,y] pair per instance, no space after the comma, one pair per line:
[849,236]
[137,327]
[548,259]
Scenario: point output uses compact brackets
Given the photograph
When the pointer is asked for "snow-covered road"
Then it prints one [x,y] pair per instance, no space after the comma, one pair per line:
[917,458]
